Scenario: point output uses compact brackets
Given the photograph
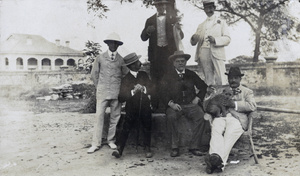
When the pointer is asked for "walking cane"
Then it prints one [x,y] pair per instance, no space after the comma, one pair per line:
[138,123]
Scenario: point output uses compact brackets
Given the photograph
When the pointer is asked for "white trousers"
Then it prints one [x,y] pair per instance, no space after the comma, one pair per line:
[225,131]
[213,68]
[115,114]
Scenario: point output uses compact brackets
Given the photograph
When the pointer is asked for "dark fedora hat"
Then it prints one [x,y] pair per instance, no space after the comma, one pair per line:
[234,71]
[131,58]
[178,54]
[160,2]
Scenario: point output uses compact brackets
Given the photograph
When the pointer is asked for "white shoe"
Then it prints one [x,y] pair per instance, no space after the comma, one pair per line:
[92,149]
[112,145]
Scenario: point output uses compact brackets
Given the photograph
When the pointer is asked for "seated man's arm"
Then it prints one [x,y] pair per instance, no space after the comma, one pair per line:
[248,104]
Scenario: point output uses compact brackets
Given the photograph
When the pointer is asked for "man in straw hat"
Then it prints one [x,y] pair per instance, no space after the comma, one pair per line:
[135,88]
[212,36]
[225,131]
[181,99]
[108,69]
[159,31]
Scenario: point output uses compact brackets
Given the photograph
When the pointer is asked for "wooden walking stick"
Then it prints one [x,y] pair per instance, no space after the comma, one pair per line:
[138,123]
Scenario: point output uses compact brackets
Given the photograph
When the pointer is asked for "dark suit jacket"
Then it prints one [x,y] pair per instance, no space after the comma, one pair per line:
[182,90]
[133,102]
[152,51]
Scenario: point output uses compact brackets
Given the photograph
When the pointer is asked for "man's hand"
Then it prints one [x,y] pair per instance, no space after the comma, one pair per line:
[211,39]
[175,106]
[195,39]
[231,103]
[138,88]
[150,29]
[196,100]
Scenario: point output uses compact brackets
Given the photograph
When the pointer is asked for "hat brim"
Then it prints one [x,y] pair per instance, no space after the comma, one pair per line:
[234,74]
[186,56]
[133,61]
[119,42]
[165,2]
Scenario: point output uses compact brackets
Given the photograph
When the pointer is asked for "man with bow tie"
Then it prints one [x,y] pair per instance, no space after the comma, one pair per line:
[212,36]
[159,31]
[182,101]
[225,131]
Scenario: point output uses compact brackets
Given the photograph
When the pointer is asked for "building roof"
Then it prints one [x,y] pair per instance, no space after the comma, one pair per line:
[34,44]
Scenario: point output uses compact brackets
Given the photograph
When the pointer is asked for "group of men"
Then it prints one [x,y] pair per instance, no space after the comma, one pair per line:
[172,86]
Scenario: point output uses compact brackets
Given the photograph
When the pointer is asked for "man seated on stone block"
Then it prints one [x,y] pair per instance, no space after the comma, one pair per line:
[225,131]
[134,91]
[182,101]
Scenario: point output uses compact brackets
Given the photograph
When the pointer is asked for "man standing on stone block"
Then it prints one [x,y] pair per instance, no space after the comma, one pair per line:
[182,101]
[212,36]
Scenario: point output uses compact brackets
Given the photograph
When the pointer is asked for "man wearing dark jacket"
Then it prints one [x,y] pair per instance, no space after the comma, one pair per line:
[159,31]
[135,88]
[181,99]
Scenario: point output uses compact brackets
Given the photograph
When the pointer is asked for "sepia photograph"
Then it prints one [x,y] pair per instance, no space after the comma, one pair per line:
[149,87]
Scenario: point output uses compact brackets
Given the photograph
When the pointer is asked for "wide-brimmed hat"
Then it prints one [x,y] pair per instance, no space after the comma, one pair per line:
[178,54]
[208,2]
[160,2]
[234,71]
[113,37]
[131,58]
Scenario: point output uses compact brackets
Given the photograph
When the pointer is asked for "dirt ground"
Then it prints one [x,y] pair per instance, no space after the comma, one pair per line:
[51,138]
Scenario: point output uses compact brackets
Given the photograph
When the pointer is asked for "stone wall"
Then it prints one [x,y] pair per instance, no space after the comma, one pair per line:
[270,74]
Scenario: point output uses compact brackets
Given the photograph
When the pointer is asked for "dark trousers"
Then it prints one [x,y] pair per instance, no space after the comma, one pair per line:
[159,66]
[195,114]
[133,121]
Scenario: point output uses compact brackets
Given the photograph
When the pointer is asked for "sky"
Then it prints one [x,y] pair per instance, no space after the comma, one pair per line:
[69,20]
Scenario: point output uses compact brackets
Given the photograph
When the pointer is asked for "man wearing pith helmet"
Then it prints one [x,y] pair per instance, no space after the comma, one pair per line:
[108,69]
[181,100]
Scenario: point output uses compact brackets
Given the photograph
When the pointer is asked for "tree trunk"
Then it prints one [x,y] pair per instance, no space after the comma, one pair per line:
[257,39]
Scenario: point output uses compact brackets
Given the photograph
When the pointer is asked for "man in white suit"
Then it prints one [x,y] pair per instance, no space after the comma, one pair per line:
[225,131]
[212,36]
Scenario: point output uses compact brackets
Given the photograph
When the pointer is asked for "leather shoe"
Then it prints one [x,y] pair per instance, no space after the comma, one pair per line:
[208,169]
[214,163]
[174,152]
[148,152]
[197,152]
[116,154]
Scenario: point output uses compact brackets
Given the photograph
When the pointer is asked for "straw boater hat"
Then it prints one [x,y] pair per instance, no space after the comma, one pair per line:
[131,58]
[208,2]
[234,71]
[178,54]
[160,2]
[113,37]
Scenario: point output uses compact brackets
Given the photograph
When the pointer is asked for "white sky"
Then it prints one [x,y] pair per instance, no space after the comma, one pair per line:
[68,20]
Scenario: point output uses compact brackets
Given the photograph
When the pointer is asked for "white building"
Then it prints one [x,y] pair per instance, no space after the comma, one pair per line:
[22,52]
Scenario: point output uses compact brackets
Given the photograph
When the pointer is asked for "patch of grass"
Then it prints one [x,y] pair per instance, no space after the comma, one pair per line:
[276,91]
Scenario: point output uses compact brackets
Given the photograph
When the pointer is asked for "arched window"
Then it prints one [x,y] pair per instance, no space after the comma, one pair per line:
[32,63]
[20,63]
[46,64]
[58,62]
[71,62]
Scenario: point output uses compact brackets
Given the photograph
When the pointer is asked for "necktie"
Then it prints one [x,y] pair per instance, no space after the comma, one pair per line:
[112,56]
[236,91]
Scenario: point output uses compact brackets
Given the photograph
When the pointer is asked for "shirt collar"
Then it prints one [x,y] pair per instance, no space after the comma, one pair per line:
[110,53]
[133,73]
[183,72]
[212,18]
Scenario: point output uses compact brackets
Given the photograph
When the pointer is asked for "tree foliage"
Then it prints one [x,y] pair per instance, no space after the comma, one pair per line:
[92,50]
[268,19]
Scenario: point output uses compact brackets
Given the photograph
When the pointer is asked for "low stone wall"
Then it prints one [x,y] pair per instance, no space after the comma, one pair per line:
[270,74]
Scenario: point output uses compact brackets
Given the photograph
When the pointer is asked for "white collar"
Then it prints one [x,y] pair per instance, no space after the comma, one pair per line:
[183,72]
[110,53]
[133,73]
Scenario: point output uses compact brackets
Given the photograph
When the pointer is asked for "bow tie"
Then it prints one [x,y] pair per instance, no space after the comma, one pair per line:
[236,91]
[181,75]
